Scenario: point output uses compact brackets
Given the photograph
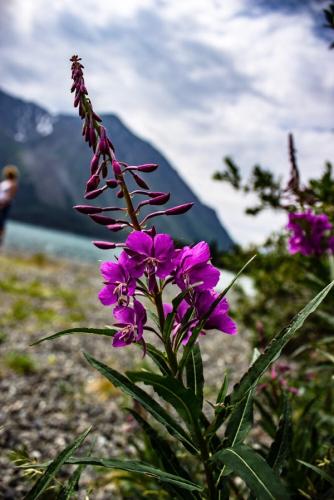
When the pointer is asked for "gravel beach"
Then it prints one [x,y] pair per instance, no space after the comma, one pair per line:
[49,394]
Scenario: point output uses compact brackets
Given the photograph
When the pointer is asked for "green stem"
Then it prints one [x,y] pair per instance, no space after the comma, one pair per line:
[128,201]
[212,492]
[168,346]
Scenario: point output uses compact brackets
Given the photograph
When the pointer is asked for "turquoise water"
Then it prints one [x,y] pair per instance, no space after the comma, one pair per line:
[25,237]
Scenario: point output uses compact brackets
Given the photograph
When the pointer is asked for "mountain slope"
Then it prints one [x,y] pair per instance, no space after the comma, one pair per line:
[53,161]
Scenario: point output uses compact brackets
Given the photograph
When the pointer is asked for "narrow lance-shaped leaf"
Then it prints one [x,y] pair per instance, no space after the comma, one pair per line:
[159,359]
[194,373]
[239,425]
[242,416]
[223,390]
[107,332]
[255,471]
[54,467]
[164,452]
[323,474]
[273,351]
[138,467]
[173,392]
[67,491]
[281,445]
[145,400]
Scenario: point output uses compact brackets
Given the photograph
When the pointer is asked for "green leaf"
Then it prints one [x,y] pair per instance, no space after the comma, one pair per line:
[273,351]
[67,492]
[240,421]
[255,471]
[194,373]
[163,451]
[324,475]
[281,445]
[159,358]
[173,392]
[223,390]
[140,468]
[156,410]
[108,332]
[54,467]
[239,425]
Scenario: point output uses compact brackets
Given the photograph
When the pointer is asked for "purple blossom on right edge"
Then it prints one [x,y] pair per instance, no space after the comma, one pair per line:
[310,233]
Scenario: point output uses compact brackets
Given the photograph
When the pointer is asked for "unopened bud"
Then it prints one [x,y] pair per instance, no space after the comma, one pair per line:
[94,164]
[117,168]
[116,227]
[180,209]
[147,167]
[88,209]
[141,183]
[92,183]
[159,200]
[111,183]
[104,245]
[102,219]
[93,194]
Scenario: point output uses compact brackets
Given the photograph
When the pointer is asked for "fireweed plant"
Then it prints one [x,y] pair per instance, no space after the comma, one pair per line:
[198,448]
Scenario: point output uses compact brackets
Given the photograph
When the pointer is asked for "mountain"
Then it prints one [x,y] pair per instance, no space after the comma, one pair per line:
[54,164]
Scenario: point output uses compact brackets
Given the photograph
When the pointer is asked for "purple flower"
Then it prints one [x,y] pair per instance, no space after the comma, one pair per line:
[193,268]
[119,280]
[150,254]
[309,233]
[218,319]
[203,301]
[179,319]
[131,321]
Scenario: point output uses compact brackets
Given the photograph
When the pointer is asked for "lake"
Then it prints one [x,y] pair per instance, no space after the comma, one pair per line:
[25,237]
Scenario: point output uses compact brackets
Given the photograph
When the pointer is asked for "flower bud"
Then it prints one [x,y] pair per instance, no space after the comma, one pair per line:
[117,168]
[159,200]
[104,245]
[92,136]
[116,227]
[92,183]
[111,183]
[77,100]
[97,118]
[88,209]
[180,209]
[141,183]
[94,164]
[120,194]
[104,169]
[102,219]
[93,194]
[147,167]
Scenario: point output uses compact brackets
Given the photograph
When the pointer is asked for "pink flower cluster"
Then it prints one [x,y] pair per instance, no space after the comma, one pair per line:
[149,262]
[311,234]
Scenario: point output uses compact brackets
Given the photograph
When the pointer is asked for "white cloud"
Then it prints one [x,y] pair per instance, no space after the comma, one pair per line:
[200,79]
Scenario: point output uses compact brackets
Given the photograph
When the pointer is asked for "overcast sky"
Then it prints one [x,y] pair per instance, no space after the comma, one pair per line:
[200,79]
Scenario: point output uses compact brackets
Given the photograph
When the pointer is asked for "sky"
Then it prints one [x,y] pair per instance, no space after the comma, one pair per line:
[199,79]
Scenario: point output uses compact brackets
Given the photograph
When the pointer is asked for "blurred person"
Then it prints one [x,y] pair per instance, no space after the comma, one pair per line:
[8,189]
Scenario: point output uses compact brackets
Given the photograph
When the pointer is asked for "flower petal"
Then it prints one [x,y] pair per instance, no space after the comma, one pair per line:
[140,242]
[124,315]
[107,295]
